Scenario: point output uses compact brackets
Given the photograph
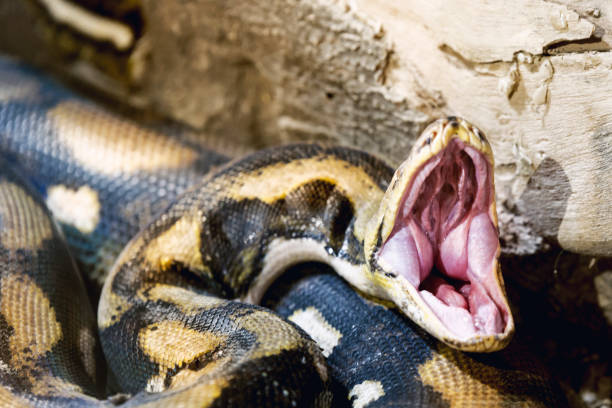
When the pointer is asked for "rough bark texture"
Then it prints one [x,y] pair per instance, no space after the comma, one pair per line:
[534,75]
[372,74]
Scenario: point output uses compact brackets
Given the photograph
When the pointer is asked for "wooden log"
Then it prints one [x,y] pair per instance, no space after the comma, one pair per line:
[534,75]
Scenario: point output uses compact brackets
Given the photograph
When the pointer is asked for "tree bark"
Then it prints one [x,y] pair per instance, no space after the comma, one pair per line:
[534,75]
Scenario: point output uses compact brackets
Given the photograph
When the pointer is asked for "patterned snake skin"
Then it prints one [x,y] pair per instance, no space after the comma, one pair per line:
[51,355]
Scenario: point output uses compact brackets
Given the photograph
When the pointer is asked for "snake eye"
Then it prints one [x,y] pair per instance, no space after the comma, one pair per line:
[445,244]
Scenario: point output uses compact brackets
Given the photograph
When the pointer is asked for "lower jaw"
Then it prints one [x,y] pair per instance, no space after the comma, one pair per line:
[420,311]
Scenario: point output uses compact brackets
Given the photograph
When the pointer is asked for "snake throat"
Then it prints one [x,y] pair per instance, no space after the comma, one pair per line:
[445,244]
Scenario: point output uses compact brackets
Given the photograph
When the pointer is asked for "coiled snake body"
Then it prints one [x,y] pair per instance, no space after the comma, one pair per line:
[173,327]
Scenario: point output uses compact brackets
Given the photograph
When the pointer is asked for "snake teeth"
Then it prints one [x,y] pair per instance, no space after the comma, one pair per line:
[444,240]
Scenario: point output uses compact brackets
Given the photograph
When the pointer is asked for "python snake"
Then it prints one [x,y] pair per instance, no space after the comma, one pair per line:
[169,327]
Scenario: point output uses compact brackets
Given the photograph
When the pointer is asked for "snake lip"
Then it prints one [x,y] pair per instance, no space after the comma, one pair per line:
[444,242]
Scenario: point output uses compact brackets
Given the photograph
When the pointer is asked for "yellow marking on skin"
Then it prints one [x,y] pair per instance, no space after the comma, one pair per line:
[188,376]
[462,380]
[23,222]
[49,385]
[315,324]
[10,400]
[79,208]
[271,183]
[90,24]
[28,311]
[112,305]
[366,392]
[247,261]
[172,344]
[271,342]
[110,145]
[179,243]
[274,342]
[187,301]
[200,395]
[377,301]
[87,344]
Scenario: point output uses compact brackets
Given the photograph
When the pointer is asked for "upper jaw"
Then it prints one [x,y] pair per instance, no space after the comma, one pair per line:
[443,203]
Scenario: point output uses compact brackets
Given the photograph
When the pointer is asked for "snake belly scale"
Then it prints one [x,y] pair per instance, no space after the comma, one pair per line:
[172,321]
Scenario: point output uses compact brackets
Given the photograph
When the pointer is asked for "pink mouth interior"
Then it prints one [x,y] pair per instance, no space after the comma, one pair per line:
[445,245]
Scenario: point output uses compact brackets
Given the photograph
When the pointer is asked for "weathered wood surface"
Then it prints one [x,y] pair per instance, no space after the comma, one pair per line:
[535,75]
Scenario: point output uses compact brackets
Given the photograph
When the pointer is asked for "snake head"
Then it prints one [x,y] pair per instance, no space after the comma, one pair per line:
[433,248]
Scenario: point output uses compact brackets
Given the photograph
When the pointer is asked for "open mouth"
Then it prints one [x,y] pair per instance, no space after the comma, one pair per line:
[445,243]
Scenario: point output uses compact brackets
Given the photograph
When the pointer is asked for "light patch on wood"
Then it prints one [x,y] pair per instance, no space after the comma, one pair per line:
[24,224]
[28,311]
[603,288]
[450,373]
[90,24]
[79,208]
[574,87]
[179,243]
[187,301]
[273,182]
[364,393]
[170,344]
[501,30]
[111,145]
[315,324]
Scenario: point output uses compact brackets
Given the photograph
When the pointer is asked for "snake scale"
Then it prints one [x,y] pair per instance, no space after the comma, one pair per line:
[179,239]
